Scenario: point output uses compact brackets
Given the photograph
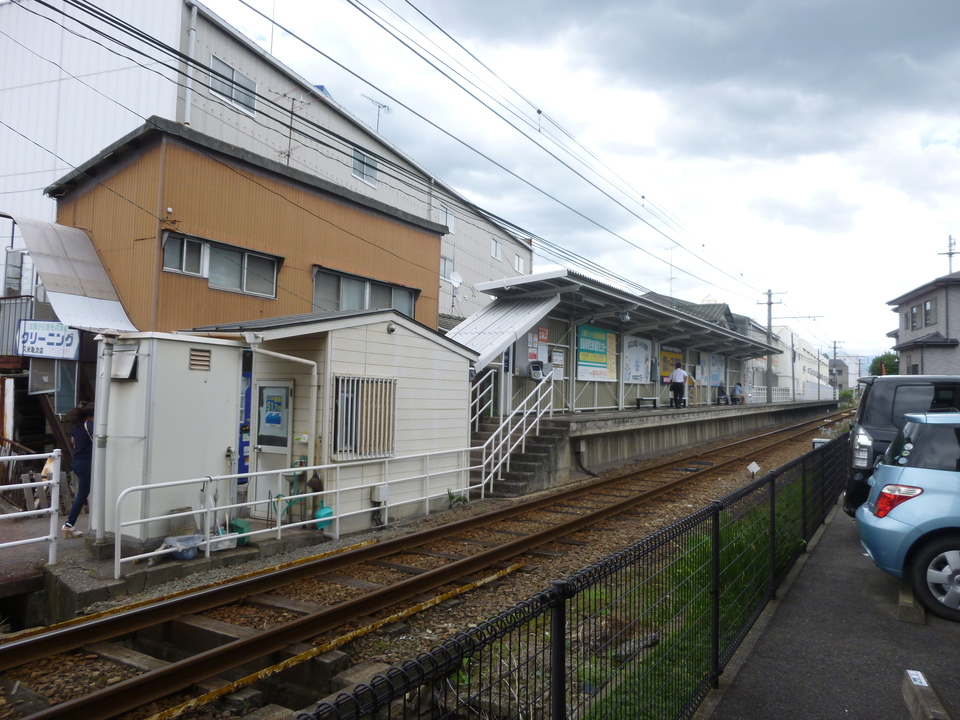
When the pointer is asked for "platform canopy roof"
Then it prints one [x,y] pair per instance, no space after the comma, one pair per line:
[522,302]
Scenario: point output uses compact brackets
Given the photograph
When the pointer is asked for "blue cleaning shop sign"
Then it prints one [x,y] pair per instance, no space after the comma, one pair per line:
[36,338]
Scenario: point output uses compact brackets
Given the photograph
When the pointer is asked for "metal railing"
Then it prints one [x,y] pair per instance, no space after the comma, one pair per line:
[643,634]
[425,480]
[52,487]
[483,398]
[513,431]
[12,311]
[20,458]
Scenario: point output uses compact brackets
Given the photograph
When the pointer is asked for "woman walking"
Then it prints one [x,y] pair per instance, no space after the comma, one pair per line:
[82,441]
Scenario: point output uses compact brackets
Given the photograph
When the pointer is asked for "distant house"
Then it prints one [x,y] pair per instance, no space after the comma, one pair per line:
[926,343]
[839,374]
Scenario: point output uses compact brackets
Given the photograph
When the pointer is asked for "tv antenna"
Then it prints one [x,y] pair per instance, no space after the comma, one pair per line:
[381,108]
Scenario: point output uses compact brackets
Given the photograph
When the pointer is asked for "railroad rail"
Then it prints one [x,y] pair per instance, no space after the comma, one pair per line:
[561,513]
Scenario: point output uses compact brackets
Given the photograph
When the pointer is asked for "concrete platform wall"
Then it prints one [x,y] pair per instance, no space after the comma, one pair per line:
[612,439]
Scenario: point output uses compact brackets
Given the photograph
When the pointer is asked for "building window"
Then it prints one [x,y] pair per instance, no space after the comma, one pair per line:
[447,218]
[365,416]
[446,268]
[365,168]
[183,255]
[233,85]
[518,263]
[930,312]
[496,249]
[915,317]
[332,292]
[225,267]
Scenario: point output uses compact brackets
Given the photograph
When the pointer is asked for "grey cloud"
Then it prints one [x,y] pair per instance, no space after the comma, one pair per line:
[751,77]
[824,212]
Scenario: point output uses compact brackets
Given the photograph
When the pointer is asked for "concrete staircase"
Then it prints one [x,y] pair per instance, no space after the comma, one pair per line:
[532,470]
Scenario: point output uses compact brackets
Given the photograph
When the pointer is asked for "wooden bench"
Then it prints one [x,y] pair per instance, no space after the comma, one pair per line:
[654,400]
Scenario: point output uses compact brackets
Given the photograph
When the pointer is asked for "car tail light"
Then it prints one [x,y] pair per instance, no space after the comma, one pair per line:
[893,495]
[862,447]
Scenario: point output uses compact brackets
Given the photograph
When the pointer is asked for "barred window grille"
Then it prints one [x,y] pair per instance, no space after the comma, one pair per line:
[365,417]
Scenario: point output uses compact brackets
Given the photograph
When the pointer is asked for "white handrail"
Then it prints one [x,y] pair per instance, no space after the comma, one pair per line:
[53,511]
[483,398]
[499,446]
[335,498]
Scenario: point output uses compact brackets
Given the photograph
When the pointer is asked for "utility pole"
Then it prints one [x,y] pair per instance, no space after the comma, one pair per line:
[770,305]
[793,370]
[836,381]
[819,384]
[951,244]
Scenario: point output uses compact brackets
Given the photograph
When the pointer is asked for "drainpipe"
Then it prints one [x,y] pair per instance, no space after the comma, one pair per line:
[191,47]
[99,480]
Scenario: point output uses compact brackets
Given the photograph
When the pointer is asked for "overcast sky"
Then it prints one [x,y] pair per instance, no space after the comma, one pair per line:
[808,147]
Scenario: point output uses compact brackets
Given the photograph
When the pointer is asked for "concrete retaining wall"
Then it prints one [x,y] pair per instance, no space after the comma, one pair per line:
[611,439]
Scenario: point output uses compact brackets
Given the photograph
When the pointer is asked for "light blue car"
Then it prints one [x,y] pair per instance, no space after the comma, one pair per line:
[910,524]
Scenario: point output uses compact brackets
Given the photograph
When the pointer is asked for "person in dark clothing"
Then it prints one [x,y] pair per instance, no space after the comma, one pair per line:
[678,381]
[722,397]
[82,440]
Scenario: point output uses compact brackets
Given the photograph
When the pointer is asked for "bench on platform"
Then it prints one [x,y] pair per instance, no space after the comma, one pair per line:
[653,400]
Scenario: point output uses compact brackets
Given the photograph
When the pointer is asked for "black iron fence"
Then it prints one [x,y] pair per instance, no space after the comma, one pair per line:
[642,634]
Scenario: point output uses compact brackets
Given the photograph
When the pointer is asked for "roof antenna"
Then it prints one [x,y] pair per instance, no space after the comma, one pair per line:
[381,107]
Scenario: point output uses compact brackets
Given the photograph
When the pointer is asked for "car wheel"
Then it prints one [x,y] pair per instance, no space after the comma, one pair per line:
[935,576]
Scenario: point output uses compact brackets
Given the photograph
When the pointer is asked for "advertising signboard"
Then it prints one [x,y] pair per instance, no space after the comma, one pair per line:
[39,338]
[637,351]
[596,354]
[669,357]
[716,369]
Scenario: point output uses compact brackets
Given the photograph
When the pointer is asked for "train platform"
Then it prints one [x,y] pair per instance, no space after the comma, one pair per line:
[838,643]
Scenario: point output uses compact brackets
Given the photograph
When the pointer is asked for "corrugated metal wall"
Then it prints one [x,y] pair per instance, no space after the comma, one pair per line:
[223,201]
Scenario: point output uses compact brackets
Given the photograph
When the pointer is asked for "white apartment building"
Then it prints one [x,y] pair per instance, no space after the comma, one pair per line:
[74,80]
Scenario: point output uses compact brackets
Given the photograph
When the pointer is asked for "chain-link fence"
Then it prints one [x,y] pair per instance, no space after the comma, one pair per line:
[642,634]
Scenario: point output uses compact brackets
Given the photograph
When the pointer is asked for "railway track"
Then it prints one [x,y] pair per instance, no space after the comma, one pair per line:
[427,566]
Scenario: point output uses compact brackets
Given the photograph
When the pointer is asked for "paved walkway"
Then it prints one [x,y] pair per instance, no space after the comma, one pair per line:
[832,646]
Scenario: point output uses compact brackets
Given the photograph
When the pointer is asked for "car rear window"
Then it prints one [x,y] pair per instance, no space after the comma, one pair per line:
[936,447]
[922,398]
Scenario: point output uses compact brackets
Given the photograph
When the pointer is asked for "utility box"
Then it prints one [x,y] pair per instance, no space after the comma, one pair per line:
[173,420]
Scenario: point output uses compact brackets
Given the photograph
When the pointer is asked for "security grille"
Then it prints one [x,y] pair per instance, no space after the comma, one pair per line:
[364,417]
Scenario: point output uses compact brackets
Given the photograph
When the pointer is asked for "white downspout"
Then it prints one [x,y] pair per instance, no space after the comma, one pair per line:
[99,484]
[191,48]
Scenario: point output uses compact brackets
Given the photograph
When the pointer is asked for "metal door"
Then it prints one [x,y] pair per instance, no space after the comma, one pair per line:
[272,441]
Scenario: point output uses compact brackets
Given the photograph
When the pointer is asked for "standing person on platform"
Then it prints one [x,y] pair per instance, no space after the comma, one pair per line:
[678,379]
[82,439]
